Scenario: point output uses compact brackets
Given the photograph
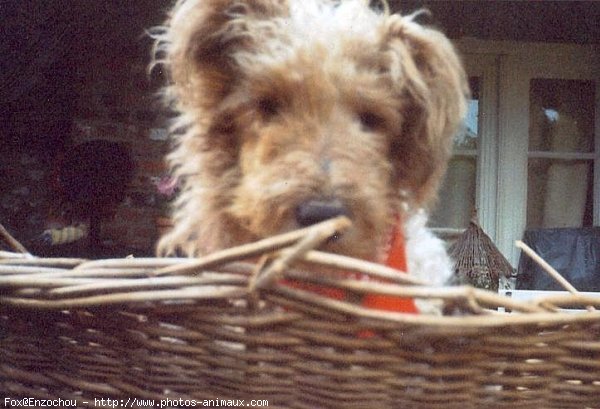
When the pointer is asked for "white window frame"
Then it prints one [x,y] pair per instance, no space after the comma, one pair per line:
[505,70]
[484,67]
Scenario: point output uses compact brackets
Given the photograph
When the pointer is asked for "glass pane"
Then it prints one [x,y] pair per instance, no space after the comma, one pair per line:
[457,194]
[561,116]
[467,139]
[559,193]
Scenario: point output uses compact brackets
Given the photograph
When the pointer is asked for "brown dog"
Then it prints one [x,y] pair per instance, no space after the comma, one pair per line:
[294,111]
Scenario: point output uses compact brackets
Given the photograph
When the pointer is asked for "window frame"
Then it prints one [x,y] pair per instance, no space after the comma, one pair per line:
[484,67]
[505,70]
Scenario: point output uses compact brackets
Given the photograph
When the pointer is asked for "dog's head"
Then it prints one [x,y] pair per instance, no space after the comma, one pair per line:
[298,110]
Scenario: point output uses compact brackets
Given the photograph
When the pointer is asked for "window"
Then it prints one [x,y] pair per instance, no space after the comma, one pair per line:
[561,153]
[530,158]
[458,191]
[471,180]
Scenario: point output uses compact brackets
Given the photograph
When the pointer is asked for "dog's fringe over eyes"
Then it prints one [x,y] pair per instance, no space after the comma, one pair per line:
[284,104]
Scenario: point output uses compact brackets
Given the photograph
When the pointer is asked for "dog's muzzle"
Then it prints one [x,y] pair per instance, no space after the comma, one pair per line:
[320,209]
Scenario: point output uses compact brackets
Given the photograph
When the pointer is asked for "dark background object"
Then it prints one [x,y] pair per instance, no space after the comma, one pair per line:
[546,21]
[93,179]
[573,252]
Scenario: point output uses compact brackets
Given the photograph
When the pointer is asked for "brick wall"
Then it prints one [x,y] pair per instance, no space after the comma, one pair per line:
[110,97]
[117,101]
[122,107]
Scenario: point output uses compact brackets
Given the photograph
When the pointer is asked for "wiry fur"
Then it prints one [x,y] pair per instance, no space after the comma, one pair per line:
[284,100]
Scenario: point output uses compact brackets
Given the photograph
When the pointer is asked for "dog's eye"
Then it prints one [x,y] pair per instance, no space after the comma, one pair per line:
[370,121]
[268,107]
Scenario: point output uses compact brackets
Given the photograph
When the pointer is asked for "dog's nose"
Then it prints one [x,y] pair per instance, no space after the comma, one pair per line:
[317,210]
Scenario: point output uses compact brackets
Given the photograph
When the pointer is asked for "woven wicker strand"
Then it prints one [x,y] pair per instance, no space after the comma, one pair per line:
[12,242]
[549,269]
[227,327]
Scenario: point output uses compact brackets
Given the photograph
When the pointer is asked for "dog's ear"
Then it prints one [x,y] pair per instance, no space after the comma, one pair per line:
[202,38]
[432,88]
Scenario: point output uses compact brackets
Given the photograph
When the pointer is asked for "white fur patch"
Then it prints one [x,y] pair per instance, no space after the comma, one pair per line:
[311,24]
[326,21]
[427,260]
[426,254]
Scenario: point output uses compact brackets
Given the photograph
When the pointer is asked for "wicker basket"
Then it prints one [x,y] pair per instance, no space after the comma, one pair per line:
[193,333]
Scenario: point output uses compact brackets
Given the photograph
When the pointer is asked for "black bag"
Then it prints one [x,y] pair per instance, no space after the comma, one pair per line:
[573,252]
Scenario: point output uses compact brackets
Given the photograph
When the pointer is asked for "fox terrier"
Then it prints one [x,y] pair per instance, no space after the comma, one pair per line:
[295,111]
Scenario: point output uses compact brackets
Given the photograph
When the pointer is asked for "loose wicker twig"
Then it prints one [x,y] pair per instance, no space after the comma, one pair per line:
[283,294]
[550,270]
[184,293]
[469,294]
[313,239]
[11,256]
[14,243]
[248,250]
[368,268]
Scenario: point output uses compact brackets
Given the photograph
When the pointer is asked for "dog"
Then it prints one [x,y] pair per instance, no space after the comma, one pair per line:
[295,111]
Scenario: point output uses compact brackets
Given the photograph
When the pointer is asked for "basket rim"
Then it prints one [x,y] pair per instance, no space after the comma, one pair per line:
[29,282]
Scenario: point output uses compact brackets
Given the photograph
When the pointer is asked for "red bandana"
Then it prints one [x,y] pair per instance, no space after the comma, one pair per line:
[395,258]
